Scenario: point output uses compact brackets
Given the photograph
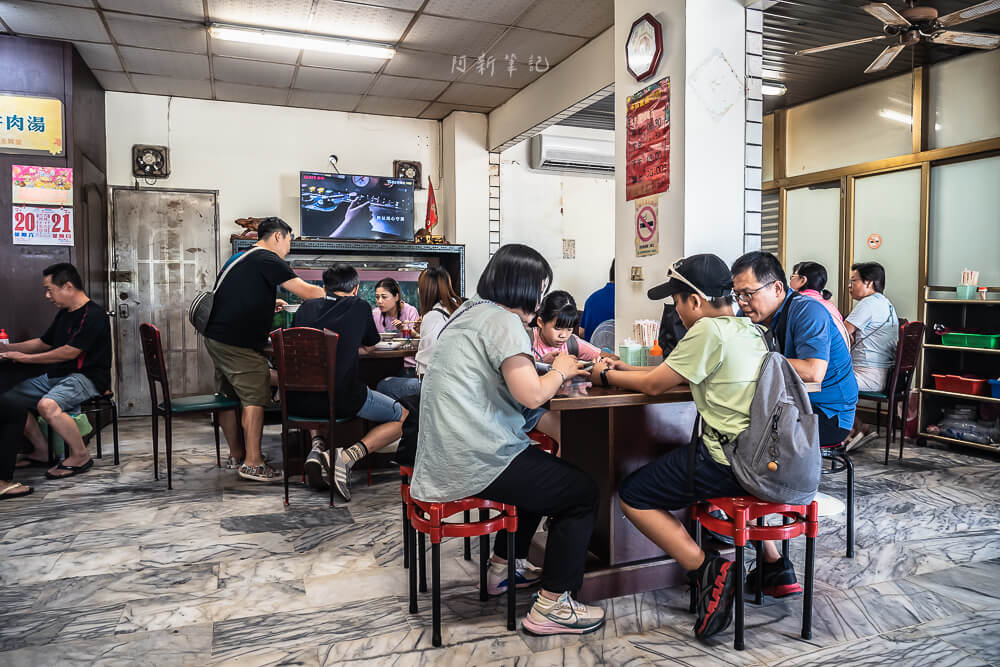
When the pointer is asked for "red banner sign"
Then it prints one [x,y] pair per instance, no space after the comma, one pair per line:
[647,142]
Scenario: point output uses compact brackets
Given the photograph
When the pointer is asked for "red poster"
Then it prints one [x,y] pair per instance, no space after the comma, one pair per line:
[647,142]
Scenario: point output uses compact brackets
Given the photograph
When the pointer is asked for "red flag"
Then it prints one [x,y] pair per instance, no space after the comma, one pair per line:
[432,209]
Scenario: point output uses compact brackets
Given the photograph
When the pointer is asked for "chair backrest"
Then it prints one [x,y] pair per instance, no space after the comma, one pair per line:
[306,359]
[911,338]
[156,365]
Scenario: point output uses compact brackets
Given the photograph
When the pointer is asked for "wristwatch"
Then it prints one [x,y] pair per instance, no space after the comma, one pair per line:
[604,377]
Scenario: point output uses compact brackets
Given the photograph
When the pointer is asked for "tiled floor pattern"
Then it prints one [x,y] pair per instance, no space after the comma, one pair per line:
[111,568]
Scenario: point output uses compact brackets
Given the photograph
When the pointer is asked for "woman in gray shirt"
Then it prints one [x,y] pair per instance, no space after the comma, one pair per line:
[480,397]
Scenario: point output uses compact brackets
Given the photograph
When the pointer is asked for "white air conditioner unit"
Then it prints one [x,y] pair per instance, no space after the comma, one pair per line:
[552,152]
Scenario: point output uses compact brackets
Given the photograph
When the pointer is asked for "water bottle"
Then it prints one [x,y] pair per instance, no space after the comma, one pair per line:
[4,338]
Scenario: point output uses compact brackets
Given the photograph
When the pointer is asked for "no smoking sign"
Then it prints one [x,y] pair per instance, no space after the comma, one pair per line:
[647,237]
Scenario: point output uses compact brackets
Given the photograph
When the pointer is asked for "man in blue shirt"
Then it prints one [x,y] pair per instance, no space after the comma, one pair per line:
[805,333]
[600,306]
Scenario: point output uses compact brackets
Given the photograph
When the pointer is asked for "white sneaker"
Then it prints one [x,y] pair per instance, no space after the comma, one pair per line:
[859,441]
[562,616]
[525,574]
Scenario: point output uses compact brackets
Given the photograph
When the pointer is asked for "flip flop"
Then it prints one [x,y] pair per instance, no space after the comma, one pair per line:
[6,493]
[29,462]
[73,470]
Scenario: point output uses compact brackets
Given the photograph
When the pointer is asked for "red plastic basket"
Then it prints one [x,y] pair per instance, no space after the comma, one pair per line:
[959,384]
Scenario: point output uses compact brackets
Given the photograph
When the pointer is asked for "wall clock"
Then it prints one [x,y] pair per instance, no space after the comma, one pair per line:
[644,47]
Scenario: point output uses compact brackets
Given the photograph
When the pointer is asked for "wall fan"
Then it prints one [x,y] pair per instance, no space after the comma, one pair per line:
[920,23]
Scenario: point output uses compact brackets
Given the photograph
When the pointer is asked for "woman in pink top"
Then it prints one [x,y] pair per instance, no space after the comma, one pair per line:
[809,278]
[391,313]
[553,331]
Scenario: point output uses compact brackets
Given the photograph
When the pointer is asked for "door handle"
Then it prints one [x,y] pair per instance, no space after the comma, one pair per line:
[123,311]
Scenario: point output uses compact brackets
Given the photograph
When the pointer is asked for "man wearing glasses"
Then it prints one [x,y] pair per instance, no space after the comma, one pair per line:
[245,303]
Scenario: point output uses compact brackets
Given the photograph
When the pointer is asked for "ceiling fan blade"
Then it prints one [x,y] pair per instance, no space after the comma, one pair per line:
[975,40]
[885,58]
[886,14]
[830,47]
[969,13]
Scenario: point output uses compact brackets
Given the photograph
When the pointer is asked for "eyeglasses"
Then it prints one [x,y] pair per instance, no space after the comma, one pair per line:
[674,274]
[745,297]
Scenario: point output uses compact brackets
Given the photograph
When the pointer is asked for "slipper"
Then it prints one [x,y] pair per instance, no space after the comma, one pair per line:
[27,462]
[6,493]
[73,470]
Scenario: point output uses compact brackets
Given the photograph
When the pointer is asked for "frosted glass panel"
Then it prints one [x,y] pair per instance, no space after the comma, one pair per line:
[888,205]
[866,123]
[812,231]
[965,222]
[965,99]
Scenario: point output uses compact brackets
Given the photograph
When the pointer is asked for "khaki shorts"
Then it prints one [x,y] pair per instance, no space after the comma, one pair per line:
[240,373]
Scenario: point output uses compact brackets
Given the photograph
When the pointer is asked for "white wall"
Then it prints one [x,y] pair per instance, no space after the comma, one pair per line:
[466,165]
[252,153]
[541,208]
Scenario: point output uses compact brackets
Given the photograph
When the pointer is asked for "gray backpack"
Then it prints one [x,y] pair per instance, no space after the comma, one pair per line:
[777,458]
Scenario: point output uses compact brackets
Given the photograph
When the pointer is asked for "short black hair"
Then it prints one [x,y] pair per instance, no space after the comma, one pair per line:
[815,276]
[872,272]
[514,276]
[765,266]
[611,273]
[63,273]
[561,307]
[269,226]
[340,278]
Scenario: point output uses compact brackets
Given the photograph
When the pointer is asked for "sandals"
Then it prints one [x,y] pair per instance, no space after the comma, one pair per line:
[28,462]
[233,463]
[261,473]
[9,492]
[73,470]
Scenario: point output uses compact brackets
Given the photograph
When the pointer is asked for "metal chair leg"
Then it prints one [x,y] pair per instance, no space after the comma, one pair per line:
[406,542]
[156,445]
[422,553]
[467,553]
[784,543]
[97,419]
[218,447]
[738,601]
[850,504]
[114,426]
[694,593]
[284,457]
[807,597]
[436,593]
[411,540]
[511,579]
[759,595]
[169,441]
[484,560]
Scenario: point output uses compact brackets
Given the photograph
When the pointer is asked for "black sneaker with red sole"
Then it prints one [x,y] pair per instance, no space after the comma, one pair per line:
[779,579]
[714,596]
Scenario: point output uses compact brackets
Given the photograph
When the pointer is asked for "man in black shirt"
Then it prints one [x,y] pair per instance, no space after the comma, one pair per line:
[343,313]
[76,349]
[237,332]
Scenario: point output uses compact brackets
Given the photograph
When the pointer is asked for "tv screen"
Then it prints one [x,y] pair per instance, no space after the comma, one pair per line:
[350,206]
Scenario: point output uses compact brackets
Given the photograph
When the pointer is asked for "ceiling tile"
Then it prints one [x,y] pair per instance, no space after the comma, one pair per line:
[587,18]
[158,33]
[189,10]
[252,72]
[483,96]
[341,61]
[451,36]
[181,65]
[414,89]
[390,106]
[534,53]
[332,80]
[494,11]
[313,100]
[412,5]
[113,80]
[236,92]
[30,18]
[165,85]
[423,65]
[76,3]
[282,14]
[438,110]
[99,56]
[274,54]
[348,19]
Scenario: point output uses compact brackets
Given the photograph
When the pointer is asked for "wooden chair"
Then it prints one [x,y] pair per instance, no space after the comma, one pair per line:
[306,359]
[911,336]
[156,372]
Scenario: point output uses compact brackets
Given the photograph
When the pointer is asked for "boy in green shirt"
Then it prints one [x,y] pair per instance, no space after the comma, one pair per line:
[720,357]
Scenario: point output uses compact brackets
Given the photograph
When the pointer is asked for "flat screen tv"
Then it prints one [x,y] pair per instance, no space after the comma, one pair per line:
[351,206]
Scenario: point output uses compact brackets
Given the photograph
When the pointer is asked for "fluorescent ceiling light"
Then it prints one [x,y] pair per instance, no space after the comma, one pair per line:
[771,88]
[898,116]
[772,74]
[297,40]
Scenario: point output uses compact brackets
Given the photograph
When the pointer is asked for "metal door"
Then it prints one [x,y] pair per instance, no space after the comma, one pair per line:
[166,249]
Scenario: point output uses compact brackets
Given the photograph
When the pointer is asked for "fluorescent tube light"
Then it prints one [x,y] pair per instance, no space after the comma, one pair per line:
[296,40]
[897,116]
[771,88]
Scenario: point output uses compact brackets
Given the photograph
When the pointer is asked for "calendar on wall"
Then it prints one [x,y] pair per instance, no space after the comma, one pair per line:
[37,225]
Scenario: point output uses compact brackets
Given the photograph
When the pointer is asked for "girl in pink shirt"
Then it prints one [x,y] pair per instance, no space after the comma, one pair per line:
[553,331]
[391,313]
[809,279]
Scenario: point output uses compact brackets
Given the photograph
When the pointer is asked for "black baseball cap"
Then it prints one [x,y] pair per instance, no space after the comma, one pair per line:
[706,273]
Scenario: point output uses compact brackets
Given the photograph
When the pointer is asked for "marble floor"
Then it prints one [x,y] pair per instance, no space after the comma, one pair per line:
[111,568]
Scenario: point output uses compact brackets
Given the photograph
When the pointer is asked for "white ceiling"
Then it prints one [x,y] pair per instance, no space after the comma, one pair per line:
[162,47]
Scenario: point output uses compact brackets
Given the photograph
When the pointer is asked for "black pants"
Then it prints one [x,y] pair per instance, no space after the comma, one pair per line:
[830,432]
[540,484]
[12,419]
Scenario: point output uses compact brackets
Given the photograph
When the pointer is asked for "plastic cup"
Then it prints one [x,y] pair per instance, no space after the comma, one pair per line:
[966,291]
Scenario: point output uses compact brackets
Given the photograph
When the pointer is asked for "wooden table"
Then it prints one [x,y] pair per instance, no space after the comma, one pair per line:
[378,364]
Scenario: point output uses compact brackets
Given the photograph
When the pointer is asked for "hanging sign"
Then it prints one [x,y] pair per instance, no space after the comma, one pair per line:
[874,241]
[42,185]
[36,225]
[31,125]
[647,232]
[647,141]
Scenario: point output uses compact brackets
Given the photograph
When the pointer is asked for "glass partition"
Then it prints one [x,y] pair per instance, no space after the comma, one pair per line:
[812,230]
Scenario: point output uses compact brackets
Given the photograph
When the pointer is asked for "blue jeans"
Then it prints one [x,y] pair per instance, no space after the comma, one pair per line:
[68,392]
[398,387]
[380,408]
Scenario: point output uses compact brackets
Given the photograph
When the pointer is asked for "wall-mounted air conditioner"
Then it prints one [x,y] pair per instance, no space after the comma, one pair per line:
[552,152]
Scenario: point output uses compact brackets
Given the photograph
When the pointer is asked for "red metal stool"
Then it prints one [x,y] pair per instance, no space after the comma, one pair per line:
[840,460]
[742,510]
[429,518]
[410,543]
[544,442]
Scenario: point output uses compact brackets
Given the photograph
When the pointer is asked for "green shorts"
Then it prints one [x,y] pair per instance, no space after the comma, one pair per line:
[240,373]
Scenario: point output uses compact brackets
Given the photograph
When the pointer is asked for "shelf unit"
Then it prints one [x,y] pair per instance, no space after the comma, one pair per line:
[951,359]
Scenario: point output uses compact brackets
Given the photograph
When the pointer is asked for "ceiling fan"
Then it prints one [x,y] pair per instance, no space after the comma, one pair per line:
[920,23]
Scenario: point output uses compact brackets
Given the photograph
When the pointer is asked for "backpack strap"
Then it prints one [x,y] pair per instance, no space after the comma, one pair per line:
[225,271]
[693,453]
[777,334]
[573,345]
